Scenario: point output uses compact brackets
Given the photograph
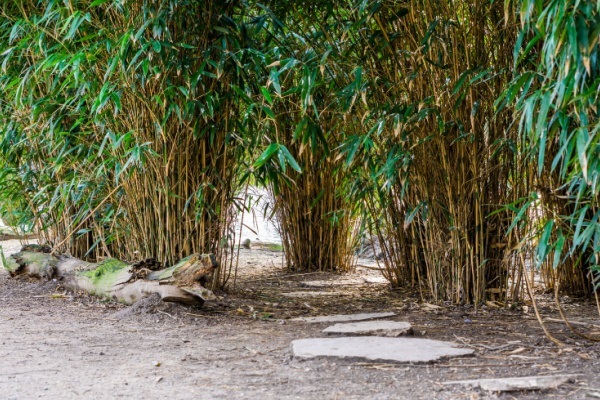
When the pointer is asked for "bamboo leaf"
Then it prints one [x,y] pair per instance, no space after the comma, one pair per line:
[266,95]
[266,155]
[289,158]
[544,244]
[96,3]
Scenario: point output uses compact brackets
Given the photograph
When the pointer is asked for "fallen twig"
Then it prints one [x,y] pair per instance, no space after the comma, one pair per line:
[491,348]
[535,307]
[166,313]
[371,268]
[586,324]
[203,315]
[283,276]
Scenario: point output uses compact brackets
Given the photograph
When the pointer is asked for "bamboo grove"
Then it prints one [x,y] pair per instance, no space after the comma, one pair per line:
[462,134]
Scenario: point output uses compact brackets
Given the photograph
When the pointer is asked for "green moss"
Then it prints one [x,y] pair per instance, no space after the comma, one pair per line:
[274,247]
[30,257]
[8,263]
[108,266]
[107,274]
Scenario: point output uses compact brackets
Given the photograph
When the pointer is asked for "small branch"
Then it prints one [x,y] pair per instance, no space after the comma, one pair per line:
[586,324]
[283,277]
[166,313]
[566,321]
[534,303]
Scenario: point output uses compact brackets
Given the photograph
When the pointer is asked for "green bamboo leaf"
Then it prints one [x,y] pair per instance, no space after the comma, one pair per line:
[521,214]
[266,155]
[300,128]
[580,222]
[461,80]
[544,244]
[317,199]
[96,3]
[582,142]
[558,249]
[289,158]
[282,163]
[542,130]
[243,95]
[268,111]
[411,215]
[274,78]
[224,31]
[289,64]
[266,95]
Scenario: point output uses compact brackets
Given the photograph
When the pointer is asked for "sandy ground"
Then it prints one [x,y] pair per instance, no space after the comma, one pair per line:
[58,345]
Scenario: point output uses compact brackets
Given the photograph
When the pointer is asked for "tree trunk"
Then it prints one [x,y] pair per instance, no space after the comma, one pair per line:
[117,280]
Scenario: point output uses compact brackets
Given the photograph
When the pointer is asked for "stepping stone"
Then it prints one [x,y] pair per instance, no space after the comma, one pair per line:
[325,284]
[345,318]
[375,279]
[517,383]
[313,294]
[370,348]
[372,328]
[317,284]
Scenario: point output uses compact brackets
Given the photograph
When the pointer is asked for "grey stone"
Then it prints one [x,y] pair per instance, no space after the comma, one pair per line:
[317,284]
[324,284]
[373,328]
[246,244]
[312,294]
[517,383]
[375,279]
[345,318]
[371,348]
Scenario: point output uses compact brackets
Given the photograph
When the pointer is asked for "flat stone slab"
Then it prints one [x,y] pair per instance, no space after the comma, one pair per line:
[375,279]
[312,294]
[517,383]
[373,328]
[370,348]
[345,318]
[325,284]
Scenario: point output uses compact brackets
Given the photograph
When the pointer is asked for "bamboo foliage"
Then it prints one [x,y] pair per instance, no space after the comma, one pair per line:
[464,134]
[554,94]
[131,103]
[441,161]
[302,163]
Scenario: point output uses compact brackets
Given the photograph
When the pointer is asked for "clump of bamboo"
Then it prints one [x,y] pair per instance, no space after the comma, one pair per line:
[316,222]
[179,201]
[555,101]
[129,148]
[446,161]
[308,125]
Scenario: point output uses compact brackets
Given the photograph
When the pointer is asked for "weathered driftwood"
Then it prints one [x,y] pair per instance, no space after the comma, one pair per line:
[116,279]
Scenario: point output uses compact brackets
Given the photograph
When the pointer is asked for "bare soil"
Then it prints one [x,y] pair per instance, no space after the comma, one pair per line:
[55,344]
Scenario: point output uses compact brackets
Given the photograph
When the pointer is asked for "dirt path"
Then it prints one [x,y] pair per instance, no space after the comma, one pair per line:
[58,345]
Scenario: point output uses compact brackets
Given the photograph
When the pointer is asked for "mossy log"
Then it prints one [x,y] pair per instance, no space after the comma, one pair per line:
[117,280]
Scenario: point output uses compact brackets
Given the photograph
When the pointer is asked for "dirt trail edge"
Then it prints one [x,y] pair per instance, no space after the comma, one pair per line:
[59,344]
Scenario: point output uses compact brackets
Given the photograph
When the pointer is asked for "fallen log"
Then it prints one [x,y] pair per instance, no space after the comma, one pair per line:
[117,280]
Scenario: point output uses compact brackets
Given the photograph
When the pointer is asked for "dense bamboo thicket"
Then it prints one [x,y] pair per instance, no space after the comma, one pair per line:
[315,215]
[445,161]
[179,202]
[555,90]
[463,133]
[125,115]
